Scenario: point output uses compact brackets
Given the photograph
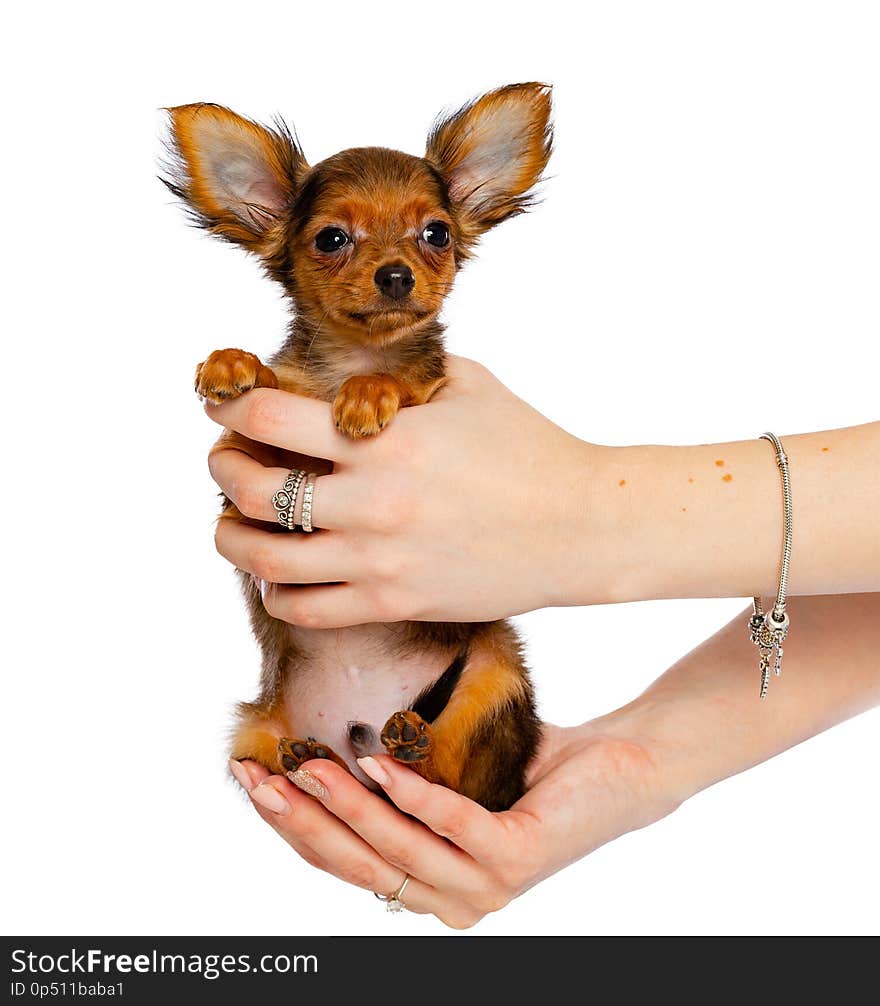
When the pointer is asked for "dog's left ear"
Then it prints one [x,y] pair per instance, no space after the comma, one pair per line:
[492,152]
[238,178]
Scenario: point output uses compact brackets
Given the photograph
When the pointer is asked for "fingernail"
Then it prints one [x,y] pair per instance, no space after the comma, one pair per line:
[374,770]
[263,587]
[240,773]
[308,783]
[269,797]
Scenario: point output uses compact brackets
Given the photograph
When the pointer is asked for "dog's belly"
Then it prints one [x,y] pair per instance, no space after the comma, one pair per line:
[360,675]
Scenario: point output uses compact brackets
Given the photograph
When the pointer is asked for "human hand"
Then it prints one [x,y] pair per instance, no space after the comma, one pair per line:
[464,509]
[700,722]
[589,784]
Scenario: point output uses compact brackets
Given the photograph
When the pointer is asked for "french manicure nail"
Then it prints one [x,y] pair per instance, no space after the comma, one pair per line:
[241,776]
[269,797]
[308,783]
[374,770]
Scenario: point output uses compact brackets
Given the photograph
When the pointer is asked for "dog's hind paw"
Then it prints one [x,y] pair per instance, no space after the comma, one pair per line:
[407,737]
[292,752]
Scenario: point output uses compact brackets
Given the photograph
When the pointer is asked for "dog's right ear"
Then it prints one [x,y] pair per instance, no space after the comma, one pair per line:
[238,178]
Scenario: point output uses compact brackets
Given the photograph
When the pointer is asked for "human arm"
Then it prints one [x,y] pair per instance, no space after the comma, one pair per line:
[475,507]
[697,724]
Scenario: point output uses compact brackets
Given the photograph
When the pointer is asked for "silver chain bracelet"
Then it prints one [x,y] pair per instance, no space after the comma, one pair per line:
[768,631]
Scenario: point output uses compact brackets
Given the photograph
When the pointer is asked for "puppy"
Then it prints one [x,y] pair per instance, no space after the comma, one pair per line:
[366,244]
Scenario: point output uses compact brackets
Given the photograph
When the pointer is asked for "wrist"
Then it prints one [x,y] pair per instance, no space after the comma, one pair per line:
[702,720]
[678,522]
[590,528]
[607,546]
[678,752]
[648,770]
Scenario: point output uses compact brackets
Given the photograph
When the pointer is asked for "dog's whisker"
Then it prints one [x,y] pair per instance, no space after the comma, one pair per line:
[312,343]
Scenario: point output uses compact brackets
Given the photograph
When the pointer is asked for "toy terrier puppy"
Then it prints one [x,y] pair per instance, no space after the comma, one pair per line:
[366,245]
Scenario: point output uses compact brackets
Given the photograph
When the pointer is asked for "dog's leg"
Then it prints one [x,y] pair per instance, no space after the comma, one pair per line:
[260,737]
[481,743]
[228,373]
[366,403]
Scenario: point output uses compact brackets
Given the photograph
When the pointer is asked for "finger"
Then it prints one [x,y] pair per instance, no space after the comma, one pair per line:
[283,558]
[330,606]
[248,773]
[400,841]
[318,835]
[464,823]
[284,420]
[303,822]
[251,487]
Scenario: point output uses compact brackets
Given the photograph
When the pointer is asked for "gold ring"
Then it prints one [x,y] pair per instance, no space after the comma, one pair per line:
[394,902]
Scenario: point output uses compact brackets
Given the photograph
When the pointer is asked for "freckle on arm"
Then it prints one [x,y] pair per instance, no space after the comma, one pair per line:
[622,482]
[720,463]
[727,478]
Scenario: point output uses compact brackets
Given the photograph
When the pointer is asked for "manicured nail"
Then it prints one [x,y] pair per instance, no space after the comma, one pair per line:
[308,783]
[269,797]
[374,770]
[240,773]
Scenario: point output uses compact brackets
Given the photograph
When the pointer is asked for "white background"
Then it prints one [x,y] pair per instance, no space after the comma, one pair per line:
[704,267]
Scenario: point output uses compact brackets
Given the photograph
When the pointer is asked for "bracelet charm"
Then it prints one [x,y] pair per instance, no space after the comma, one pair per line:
[768,635]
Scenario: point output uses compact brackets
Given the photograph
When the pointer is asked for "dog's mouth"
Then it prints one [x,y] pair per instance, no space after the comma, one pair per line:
[385,318]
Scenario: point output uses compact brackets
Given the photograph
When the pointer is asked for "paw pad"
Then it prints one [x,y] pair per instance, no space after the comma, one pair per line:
[292,753]
[407,737]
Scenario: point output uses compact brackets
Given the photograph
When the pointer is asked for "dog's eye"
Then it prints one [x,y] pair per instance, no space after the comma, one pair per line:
[436,234]
[331,239]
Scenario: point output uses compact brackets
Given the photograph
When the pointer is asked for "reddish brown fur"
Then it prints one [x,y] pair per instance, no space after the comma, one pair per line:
[351,346]
[382,197]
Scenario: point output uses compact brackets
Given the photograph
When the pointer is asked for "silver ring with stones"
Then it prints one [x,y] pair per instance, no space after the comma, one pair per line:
[308,493]
[284,500]
[394,902]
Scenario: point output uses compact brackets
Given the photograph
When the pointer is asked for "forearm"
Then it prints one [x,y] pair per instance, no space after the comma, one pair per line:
[704,720]
[706,521]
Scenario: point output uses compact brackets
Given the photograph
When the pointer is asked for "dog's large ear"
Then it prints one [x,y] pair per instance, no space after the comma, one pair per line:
[492,152]
[238,178]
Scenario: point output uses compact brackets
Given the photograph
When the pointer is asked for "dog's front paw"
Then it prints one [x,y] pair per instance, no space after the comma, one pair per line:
[366,404]
[407,737]
[228,373]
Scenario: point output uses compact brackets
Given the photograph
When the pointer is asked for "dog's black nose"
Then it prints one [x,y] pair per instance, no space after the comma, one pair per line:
[394,281]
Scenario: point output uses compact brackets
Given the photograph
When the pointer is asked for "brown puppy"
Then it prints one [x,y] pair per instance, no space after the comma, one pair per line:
[366,244]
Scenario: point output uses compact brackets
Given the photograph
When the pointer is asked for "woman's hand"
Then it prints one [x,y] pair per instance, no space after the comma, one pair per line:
[700,722]
[587,787]
[475,507]
[465,509]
